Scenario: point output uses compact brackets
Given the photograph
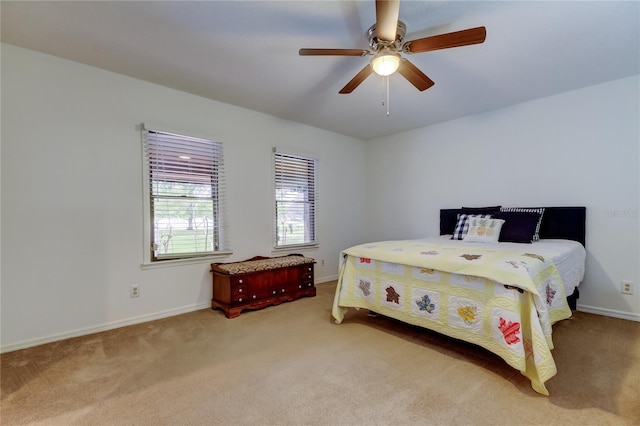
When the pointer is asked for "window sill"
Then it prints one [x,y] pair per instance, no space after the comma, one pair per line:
[296,248]
[188,261]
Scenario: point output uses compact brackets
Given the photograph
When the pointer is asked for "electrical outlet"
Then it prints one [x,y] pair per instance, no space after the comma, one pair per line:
[322,262]
[134,290]
[627,287]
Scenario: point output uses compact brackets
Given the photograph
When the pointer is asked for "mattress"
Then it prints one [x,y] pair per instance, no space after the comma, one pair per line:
[568,256]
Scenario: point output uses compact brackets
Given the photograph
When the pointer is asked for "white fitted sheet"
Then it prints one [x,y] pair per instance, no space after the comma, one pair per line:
[568,256]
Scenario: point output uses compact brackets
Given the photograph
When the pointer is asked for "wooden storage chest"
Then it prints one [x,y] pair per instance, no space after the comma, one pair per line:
[260,282]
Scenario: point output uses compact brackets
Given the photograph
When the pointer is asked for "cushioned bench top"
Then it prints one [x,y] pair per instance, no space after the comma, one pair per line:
[261,265]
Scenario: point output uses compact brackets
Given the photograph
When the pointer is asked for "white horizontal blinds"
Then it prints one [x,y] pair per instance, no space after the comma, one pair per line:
[186,195]
[295,199]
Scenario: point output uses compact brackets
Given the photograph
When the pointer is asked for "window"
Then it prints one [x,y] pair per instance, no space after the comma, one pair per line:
[185,195]
[295,200]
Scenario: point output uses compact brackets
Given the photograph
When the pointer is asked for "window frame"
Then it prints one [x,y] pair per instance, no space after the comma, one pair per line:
[149,257]
[313,178]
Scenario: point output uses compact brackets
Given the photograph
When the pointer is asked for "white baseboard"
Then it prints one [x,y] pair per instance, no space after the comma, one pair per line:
[326,279]
[117,324]
[104,327]
[609,312]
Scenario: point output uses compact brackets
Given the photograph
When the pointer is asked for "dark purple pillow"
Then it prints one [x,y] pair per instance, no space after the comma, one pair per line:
[481,210]
[518,227]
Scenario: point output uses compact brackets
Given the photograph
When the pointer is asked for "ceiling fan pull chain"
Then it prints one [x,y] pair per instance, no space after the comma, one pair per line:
[386,80]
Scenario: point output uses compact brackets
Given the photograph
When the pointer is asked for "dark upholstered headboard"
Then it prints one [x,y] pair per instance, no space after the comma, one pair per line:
[567,223]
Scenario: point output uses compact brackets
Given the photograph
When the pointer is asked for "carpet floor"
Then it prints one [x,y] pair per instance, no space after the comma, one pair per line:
[292,365]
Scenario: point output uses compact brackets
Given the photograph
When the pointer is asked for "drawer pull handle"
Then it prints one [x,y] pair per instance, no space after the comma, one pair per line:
[283,290]
[274,292]
[254,296]
[239,290]
[299,285]
[240,300]
[239,281]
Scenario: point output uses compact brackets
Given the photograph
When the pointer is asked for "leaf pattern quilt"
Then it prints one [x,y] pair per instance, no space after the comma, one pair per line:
[503,300]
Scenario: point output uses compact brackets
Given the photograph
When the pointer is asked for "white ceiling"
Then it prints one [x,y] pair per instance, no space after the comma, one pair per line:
[245,53]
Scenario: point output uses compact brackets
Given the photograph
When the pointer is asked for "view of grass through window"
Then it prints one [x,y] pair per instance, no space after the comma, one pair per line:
[183,223]
[291,208]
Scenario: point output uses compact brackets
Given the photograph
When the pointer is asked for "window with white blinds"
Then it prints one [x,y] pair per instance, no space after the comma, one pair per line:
[186,190]
[295,200]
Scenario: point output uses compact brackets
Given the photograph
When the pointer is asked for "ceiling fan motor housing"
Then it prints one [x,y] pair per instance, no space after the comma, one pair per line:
[376,44]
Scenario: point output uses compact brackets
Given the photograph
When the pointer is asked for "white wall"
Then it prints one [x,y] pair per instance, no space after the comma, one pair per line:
[579,148]
[71,204]
[72,208]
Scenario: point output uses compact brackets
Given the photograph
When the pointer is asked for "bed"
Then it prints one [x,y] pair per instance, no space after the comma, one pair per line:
[470,283]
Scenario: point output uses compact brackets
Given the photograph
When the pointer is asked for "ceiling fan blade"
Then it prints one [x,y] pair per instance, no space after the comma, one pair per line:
[414,75]
[445,41]
[333,52]
[387,12]
[355,81]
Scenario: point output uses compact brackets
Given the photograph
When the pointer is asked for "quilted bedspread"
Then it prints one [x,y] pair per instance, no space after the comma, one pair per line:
[503,300]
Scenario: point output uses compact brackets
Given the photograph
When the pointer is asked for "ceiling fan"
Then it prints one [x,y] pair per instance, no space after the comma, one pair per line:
[386,39]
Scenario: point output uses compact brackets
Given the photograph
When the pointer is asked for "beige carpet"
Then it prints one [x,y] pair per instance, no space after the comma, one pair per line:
[291,365]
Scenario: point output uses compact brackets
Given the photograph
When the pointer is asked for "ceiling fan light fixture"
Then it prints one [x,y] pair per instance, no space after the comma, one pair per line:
[385,63]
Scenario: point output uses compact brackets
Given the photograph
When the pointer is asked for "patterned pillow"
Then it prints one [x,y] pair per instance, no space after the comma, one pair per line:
[540,210]
[482,230]
[462,226]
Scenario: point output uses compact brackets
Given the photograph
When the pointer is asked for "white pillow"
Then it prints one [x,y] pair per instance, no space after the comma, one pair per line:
[483,230]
